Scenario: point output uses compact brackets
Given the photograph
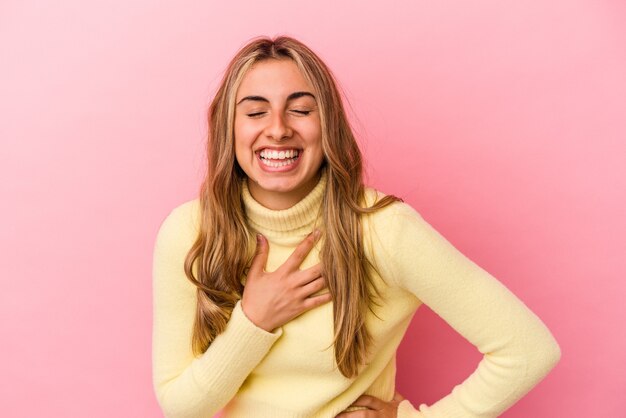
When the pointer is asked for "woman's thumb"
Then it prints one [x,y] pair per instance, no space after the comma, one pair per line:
[260,256]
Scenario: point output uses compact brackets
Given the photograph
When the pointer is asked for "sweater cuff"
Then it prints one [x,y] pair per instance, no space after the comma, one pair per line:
[407,410]
[239,314]
[234,353]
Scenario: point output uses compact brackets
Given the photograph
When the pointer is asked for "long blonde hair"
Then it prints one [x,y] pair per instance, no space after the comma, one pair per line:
[217,254]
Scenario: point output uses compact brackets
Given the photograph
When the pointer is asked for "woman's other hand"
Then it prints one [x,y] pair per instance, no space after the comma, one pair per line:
[377,408]
[270,300]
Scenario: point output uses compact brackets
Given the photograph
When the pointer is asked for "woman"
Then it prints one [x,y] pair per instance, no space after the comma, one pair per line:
[285,289]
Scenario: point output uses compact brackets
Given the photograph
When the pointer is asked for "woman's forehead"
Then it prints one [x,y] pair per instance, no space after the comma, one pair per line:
[273,79]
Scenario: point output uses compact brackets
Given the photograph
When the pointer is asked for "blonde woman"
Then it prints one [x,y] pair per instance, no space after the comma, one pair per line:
[285,288]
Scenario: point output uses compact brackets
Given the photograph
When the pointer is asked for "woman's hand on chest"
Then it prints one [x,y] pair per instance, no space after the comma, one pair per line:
[271,299]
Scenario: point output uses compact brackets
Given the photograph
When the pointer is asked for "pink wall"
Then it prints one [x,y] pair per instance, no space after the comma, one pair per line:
[503,123]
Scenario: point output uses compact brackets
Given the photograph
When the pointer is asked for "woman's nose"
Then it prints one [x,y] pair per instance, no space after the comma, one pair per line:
[277,128]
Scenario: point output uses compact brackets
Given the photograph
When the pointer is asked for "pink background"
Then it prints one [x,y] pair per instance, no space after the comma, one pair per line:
[502,122]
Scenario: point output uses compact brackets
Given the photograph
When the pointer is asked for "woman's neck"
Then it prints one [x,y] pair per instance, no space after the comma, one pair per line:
[276,200]
[286,225]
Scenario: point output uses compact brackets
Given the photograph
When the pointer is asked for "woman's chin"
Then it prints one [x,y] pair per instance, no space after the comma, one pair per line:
[280,193]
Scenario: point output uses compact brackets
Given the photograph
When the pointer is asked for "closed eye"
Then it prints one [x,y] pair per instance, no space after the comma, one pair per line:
[300,112]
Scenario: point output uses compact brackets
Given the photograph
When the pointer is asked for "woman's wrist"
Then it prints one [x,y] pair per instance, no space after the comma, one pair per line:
[256,322]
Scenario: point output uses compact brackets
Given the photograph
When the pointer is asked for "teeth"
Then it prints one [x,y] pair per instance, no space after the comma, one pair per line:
[279,155]
[271,163]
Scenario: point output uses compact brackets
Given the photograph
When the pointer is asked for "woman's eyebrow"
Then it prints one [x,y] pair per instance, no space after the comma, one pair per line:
[298,94]
[292,96]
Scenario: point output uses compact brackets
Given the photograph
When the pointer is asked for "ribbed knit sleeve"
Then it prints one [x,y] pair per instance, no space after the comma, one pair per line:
[186,386]
[518,348]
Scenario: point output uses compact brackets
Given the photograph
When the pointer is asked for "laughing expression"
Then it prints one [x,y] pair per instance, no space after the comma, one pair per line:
[278,141]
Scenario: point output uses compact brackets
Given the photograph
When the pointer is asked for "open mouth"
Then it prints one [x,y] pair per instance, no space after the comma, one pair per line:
[276,159]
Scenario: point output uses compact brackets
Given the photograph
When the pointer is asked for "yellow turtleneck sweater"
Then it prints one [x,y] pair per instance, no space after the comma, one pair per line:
[291,372]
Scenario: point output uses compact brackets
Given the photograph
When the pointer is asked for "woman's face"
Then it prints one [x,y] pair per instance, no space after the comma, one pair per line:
[278,133]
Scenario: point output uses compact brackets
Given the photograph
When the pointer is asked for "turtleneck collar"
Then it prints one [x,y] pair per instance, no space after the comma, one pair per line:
[292,223]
